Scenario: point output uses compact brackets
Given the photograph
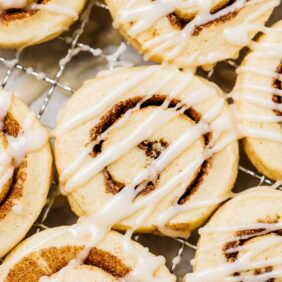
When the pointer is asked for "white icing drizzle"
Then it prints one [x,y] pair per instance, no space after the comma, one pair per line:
[29,140]
[263,72]
[145,15]
[266,226]
[175,40]
[262,118]
[146,265]
[262,89]
[261,102]
[239,35]
[267,50]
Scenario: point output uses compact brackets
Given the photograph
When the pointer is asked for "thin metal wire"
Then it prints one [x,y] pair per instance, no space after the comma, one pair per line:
[74,43]
[39,75]
[10,70]
[65,60]
[261,178]
[186,243]
[177,259]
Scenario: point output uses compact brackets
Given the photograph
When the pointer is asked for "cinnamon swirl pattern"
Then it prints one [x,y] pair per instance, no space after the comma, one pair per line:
[190,33]
[243,240]
[145,149]
[42,256]
[25,170]
[258,98]
[28,22]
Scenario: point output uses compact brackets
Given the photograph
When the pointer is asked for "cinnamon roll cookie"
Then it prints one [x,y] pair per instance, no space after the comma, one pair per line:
[51,255]
[243,240]
[150,149]
[28,22]
[258,95]
[25,170]
[190,33]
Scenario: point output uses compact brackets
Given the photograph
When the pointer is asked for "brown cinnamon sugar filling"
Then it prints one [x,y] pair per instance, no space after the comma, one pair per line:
[179,21]
[152,149]
[277,84]
[242,237]
[18,14]
[11,127]
[50,260]
[194,186]
[112,186]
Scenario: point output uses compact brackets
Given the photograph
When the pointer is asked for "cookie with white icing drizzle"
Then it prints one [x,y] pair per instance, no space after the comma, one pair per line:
[243,240]
[25,170]
[190,33]
[258,95]
[26,22]
[151,149]
[45,253]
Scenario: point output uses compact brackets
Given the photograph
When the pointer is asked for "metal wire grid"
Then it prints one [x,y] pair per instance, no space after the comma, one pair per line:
[76,45]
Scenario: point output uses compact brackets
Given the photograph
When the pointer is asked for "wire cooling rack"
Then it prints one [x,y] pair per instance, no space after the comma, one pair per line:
[93,40]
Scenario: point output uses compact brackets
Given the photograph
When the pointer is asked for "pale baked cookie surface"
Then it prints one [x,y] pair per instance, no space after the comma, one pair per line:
[46,253]
[190,33]
[258,97]
[152,147]
[243,240]
[37,21]
[25,171]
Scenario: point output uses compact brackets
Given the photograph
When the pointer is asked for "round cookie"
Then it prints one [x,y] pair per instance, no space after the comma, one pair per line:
[25,170]
[190,33]
[243,240]
[153,140]
[36,21]
[44,254]
[258,98]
